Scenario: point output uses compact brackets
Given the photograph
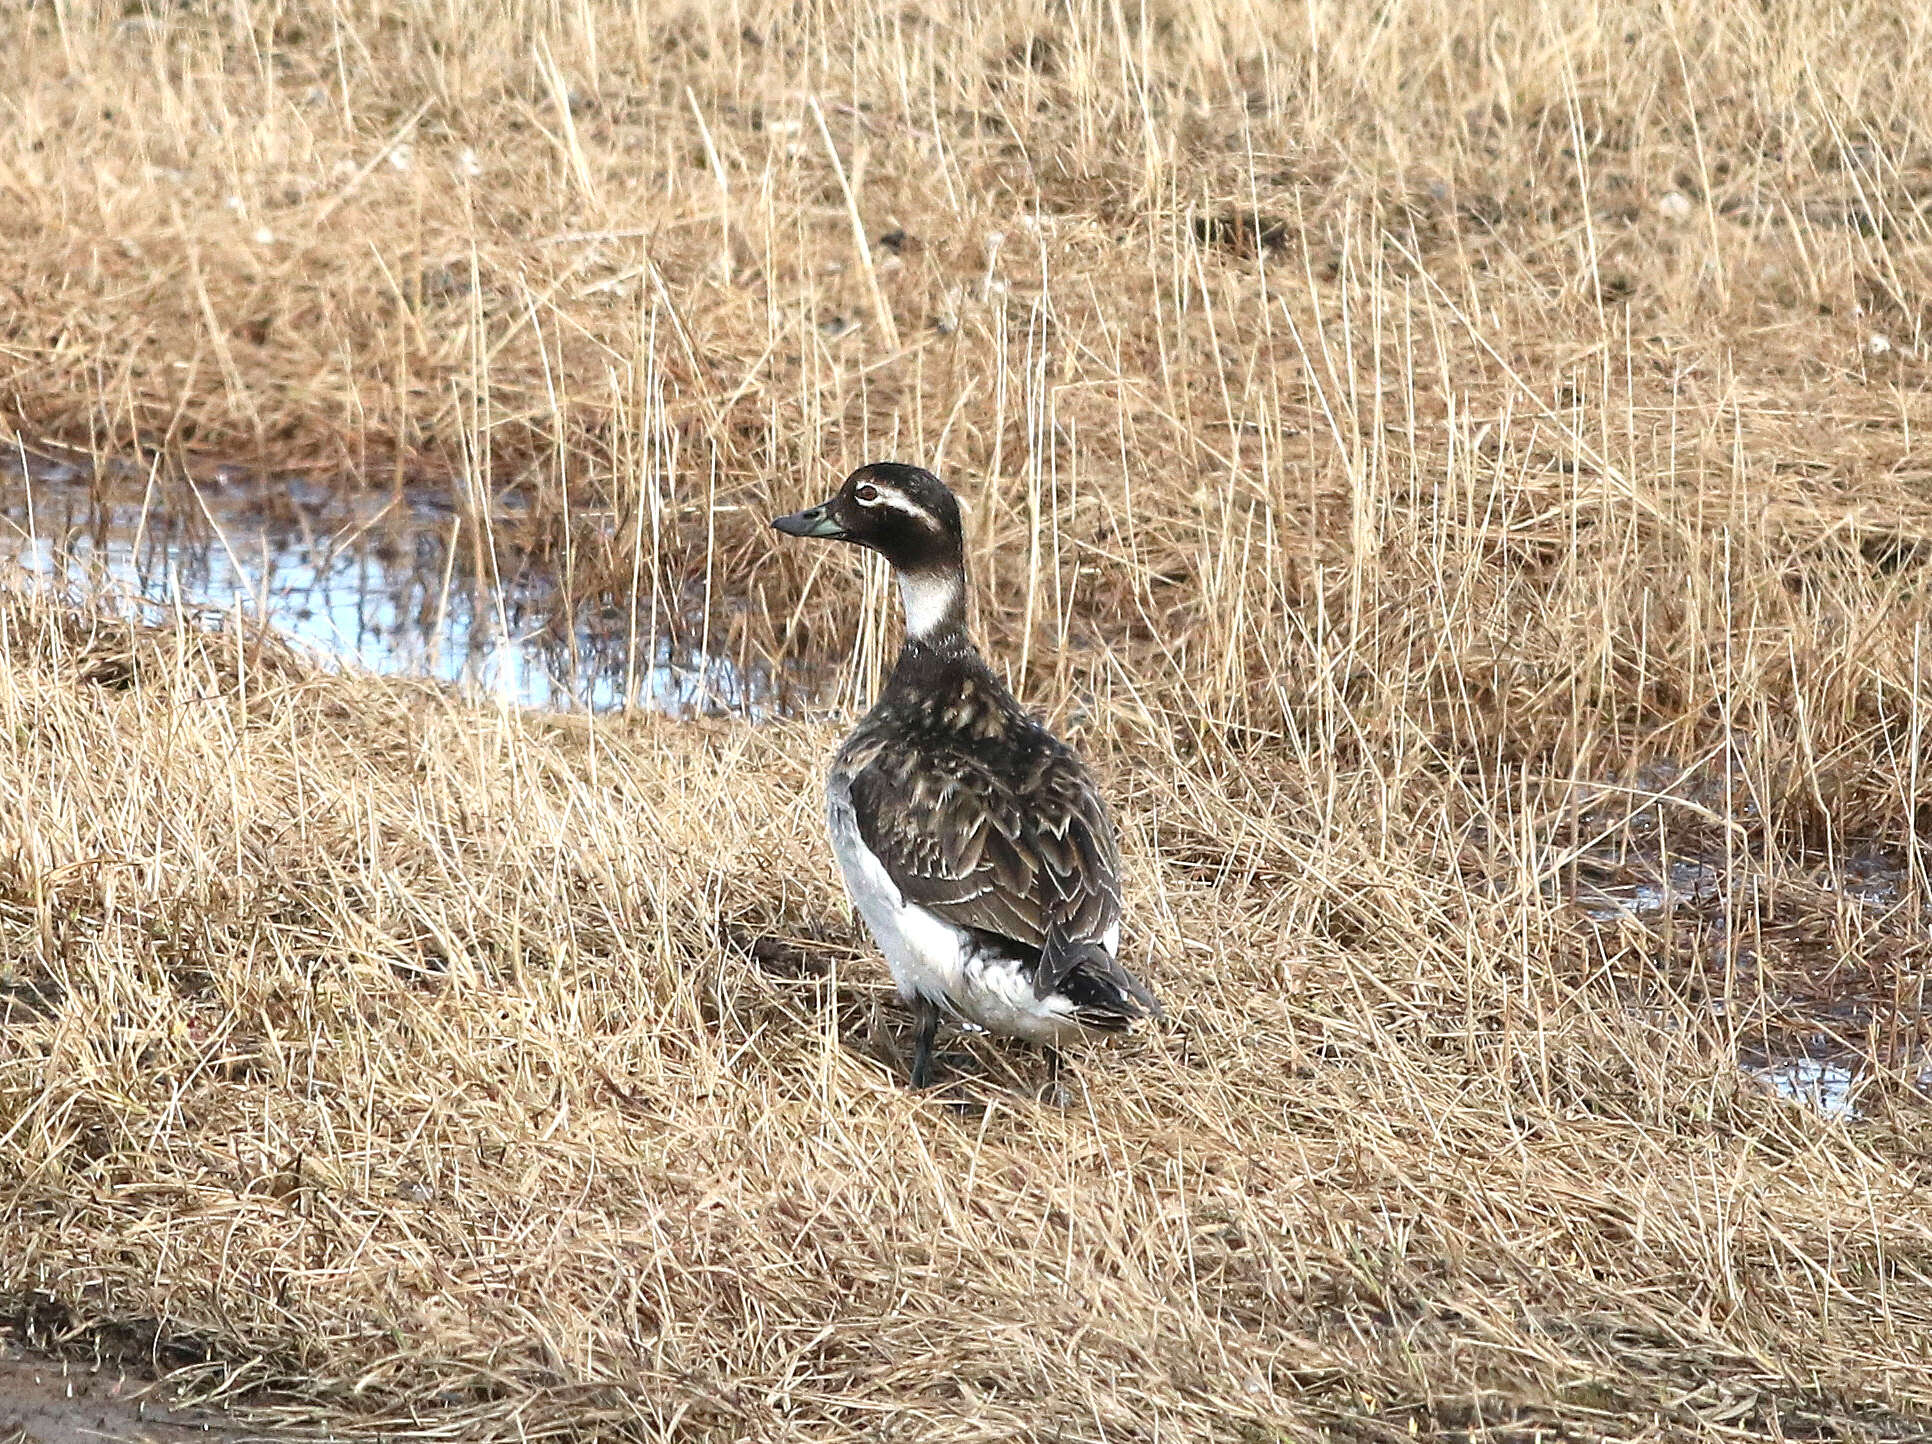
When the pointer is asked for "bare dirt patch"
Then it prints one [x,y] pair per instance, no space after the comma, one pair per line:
[49,1401]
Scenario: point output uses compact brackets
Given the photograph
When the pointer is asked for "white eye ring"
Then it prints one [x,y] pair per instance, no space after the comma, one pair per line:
[866,495]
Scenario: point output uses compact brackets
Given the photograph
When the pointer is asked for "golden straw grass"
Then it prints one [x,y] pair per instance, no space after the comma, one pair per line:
[1405,445]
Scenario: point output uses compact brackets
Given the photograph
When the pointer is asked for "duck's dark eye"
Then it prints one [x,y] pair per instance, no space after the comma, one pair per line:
[867,493]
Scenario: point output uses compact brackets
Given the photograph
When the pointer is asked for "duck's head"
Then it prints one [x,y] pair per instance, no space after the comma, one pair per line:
[904,513]
[907,515]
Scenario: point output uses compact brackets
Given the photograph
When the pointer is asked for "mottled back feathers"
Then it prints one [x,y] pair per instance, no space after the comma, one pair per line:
[978,812]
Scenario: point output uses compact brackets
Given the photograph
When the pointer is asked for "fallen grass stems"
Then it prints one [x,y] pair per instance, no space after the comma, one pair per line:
[1411,449]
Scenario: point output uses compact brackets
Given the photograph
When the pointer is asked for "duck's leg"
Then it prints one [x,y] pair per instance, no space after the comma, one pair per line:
[925,1013]
[1055,1093]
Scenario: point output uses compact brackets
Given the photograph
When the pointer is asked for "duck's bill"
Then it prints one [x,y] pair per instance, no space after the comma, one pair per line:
[813,521]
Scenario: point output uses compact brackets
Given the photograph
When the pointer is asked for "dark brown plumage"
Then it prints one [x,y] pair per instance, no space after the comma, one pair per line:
[978,812]
[972,839]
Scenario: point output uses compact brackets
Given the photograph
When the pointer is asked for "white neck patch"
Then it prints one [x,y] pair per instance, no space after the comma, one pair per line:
[930,599]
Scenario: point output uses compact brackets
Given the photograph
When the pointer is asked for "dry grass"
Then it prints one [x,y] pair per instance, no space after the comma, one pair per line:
[1391,433]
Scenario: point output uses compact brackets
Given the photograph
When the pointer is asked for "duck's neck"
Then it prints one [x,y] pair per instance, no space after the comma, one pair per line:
[935,599]
[939,669]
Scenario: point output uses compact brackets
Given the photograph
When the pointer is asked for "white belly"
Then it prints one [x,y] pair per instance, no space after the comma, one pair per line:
[931,958]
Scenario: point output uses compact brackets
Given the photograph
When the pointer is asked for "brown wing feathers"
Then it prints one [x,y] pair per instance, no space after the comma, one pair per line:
[1027,861]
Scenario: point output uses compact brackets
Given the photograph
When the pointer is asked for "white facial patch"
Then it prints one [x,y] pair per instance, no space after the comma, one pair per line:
[885,496]
[930,599]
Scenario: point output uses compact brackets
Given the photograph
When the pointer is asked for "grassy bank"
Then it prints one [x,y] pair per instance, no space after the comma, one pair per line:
[1210,309]
[1413,451]
[505,1076]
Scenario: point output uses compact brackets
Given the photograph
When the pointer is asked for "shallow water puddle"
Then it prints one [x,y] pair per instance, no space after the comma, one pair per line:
[395,583]
[1612,884]
[1826,1085]
[1809,1026]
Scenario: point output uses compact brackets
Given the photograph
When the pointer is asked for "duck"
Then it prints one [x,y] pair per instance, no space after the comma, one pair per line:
[974,843]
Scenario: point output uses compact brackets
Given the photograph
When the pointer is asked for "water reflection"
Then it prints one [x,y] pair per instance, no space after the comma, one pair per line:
[397,583]
[1817,966]
[1608,887]
[1824,1083]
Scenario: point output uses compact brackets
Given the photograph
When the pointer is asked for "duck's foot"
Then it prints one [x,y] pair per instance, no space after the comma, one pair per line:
[964,1103]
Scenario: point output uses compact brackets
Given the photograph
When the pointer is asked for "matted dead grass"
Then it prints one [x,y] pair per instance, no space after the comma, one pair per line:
[1390,435]
[490,1076]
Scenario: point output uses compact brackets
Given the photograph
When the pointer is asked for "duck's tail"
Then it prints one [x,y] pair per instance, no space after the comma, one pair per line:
[1103,993]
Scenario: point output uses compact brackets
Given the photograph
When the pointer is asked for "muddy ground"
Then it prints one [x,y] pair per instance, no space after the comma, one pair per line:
[53,1401]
